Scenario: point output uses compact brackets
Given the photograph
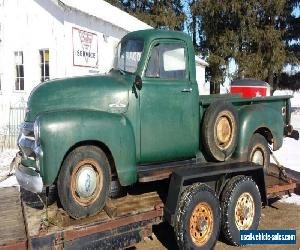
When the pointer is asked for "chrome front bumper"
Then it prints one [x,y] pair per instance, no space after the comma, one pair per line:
[29,179]
[28,175]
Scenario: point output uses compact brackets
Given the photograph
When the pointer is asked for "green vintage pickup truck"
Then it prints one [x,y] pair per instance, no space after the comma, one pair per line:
[84,133]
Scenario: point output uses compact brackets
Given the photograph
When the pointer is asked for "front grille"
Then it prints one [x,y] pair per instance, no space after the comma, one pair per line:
[27,129]
[26,141]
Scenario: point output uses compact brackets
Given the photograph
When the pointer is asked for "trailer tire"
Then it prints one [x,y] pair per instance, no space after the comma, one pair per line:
[259,152]
[198,201]
[84,181]
[220,130]
[240,196]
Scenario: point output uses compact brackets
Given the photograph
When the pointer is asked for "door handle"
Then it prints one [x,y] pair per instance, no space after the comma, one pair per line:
[187,90]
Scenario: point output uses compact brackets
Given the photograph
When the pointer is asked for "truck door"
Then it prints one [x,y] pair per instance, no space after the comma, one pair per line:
[168,105]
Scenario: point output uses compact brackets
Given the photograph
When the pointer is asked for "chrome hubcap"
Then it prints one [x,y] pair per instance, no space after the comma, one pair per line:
[86,181]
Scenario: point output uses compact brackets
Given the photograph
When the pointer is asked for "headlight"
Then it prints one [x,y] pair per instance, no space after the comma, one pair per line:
[36,130]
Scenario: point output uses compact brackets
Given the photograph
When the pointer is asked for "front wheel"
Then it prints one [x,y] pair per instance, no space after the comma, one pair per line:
[84,181]
[197,224]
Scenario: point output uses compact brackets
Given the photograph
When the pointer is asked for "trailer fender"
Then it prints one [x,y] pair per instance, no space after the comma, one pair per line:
[210,175]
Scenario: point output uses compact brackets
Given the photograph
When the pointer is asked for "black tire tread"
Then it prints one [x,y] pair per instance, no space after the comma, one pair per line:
[210,114]
[185,201]
[73,209]
[227,200]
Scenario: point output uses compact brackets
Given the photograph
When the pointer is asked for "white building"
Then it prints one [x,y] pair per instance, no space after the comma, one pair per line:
[47,39]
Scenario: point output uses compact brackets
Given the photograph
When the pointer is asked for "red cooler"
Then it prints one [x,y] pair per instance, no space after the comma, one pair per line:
[249,88]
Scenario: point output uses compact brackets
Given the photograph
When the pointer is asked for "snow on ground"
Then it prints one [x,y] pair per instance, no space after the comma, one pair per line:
[293,199]
[9,182]
[5,159]
[288,154]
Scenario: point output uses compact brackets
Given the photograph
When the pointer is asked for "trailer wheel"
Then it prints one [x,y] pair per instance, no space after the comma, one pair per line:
[241,208]
[84,181]
[197,224]
[259,152]
[219,130]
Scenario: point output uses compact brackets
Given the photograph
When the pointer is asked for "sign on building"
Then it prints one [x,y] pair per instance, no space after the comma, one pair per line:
[85,48]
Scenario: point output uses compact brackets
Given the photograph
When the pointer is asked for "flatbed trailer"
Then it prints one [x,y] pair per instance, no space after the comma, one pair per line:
[123,223]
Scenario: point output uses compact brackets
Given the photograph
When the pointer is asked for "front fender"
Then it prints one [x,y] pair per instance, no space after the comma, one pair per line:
[254,117]
[59,131]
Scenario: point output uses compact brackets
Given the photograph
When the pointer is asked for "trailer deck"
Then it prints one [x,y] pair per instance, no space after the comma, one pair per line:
[124,221]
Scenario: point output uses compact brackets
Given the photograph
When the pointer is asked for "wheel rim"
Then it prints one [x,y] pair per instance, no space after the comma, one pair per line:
[224,131]
[258,157]
[86,182]
[201,223]
[244,211]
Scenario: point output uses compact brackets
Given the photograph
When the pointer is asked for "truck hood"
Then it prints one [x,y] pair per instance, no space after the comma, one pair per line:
[101,92]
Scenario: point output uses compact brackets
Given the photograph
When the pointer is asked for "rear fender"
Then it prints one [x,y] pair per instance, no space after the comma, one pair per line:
[253,118]
[60,131]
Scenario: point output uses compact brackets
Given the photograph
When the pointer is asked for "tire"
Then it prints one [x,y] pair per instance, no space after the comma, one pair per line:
[116,189]
[236,191]
[259,152]
[81,200]
[197,197]
[219,130]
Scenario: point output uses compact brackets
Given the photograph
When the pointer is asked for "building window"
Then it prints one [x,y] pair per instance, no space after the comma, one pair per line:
[19,83]
[44,59]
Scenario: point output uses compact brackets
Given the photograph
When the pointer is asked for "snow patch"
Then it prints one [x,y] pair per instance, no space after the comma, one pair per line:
[6,158]
[288,154]
[10,182]
[293,199]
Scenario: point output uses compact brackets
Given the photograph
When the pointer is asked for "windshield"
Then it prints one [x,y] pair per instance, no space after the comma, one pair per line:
[128,55]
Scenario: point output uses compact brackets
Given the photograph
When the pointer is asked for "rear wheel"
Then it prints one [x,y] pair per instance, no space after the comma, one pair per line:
[84,181]
[241,208]
[197,224]
[259,152]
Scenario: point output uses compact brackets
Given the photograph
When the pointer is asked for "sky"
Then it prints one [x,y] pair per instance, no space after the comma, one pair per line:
[296,12]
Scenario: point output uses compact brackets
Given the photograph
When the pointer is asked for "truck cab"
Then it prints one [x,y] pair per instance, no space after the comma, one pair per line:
[166,91]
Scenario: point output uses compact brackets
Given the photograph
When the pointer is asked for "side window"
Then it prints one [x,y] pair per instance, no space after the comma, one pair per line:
[167,61]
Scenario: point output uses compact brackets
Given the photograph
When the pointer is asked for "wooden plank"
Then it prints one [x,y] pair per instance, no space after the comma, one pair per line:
[129,205]
[12,230]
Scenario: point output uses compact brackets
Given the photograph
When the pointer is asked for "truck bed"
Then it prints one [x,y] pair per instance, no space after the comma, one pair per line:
[123,223]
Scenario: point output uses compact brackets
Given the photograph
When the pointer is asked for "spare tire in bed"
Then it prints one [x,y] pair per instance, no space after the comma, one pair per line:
[219,130]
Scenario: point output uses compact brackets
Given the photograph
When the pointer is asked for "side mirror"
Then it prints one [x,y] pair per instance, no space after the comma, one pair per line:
[138,83]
